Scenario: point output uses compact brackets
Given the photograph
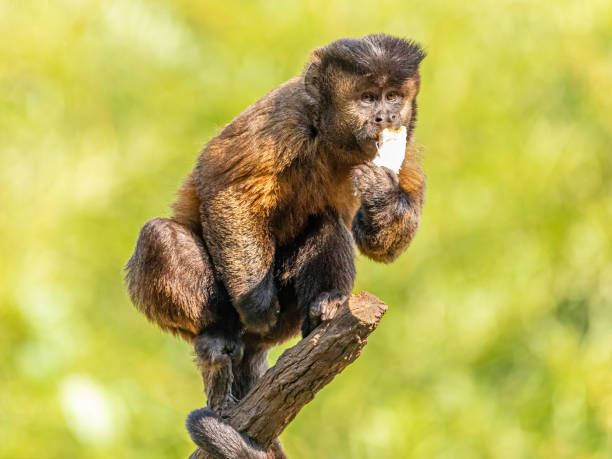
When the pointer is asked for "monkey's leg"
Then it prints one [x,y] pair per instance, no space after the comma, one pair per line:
[170,279]
[247,372]
[321,267]
[238,239]
[219,351]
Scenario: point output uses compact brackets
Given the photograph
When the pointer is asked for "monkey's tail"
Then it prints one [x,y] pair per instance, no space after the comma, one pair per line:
[209,432]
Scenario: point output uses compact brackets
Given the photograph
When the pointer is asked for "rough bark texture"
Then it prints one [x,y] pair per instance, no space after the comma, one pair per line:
[303,370]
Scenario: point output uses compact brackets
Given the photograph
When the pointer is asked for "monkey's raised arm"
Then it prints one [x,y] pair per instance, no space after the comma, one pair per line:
[242,250]
[390,210]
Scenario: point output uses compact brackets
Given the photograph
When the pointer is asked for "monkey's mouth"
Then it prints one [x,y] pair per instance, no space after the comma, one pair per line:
[368,146]
[373,132]
[367,138]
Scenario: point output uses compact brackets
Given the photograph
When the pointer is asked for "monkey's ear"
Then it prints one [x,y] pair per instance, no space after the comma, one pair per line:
[311,80]
[312,73]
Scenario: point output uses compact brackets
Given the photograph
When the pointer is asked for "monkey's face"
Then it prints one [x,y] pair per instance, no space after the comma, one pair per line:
[364,108]
[379,107]
[362,86]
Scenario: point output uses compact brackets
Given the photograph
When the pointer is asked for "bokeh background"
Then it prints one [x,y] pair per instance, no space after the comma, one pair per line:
[498,340]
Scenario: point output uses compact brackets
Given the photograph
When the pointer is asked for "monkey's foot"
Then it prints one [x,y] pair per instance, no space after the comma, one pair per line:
[217,348]
[323,308]
[217,354]
[262,319]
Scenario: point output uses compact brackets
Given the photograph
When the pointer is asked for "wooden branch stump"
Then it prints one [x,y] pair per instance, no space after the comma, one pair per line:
[303,370]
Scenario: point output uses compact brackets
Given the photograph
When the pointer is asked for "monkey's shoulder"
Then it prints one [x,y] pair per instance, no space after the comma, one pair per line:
[262,142]
[281,110]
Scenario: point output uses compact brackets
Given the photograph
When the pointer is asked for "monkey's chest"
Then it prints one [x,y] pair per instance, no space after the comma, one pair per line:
[309,200]
[288,225]
[294,221]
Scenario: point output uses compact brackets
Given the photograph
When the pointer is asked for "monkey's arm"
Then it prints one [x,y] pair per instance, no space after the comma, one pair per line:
[390,210]
[239,242]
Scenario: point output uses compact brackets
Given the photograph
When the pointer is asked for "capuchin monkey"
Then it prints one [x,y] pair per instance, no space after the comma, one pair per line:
[262,238]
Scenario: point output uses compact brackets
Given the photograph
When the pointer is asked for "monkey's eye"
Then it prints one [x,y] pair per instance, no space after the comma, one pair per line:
[393,96]
[368,97]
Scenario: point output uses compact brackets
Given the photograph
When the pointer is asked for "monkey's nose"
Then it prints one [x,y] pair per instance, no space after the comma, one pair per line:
[386,120]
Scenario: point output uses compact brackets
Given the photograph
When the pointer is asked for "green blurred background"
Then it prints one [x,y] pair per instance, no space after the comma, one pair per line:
[498,340]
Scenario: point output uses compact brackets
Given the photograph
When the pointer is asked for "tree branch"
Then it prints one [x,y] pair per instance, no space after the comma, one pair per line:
[303,370]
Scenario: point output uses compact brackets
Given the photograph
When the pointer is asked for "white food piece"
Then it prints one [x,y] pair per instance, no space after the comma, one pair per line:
[391,148]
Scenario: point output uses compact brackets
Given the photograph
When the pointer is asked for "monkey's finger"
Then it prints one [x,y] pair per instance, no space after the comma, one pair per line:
[235,351]
[316,308]
[382,178]
[362,178]
[332,305]
[390,177]
[380,172]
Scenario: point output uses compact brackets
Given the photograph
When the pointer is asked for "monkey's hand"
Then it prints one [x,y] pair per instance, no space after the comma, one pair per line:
[377,185]
[258,308]
[323,308]
[390,210]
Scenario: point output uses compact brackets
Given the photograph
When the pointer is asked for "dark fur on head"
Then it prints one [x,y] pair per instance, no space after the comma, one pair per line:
[371,57]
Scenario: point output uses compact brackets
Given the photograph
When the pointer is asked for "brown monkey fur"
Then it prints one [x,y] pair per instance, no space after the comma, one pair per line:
[261,240]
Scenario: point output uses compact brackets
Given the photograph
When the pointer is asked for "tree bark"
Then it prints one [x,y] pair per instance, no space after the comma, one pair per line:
[303,370]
